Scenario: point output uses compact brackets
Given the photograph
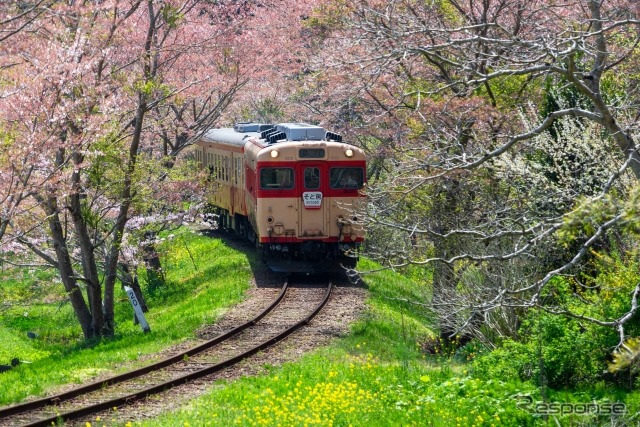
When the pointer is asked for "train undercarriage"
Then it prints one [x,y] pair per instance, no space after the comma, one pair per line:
[308,257]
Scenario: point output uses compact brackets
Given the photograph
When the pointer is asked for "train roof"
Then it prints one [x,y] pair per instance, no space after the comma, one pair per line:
[228,136]
[270,133]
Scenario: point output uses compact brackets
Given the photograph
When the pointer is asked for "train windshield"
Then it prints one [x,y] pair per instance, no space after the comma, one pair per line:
[311,178]
[346,178]
[276,178]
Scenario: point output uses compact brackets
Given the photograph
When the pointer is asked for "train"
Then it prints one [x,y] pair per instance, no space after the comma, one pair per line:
[293,189]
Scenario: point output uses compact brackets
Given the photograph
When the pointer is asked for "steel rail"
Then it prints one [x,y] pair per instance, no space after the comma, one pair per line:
[128,399]
[98,385]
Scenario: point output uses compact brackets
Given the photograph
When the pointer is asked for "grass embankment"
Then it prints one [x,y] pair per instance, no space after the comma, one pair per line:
[378,375]
[375,376]
[203,277]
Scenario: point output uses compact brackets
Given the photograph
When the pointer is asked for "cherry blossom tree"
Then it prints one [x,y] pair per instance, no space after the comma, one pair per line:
[16,170]
[99,99]
[16,17]
[85,78]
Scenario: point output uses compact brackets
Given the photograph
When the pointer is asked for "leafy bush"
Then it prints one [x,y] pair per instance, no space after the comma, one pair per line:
[554,350]
[564,351]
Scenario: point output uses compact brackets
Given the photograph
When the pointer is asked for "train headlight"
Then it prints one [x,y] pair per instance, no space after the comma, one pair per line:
[348,152]
[274,153]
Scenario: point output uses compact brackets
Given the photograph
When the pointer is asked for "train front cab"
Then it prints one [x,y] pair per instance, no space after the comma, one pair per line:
[305,205]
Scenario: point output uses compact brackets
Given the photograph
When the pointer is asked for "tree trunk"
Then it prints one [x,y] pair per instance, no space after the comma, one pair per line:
[127,193]
[87,252]
[65,267]
[444,278]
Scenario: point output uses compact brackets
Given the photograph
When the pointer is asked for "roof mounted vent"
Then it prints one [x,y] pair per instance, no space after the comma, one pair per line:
[245,127]
[265,133]
[331,136]
[301,131]
[276,136]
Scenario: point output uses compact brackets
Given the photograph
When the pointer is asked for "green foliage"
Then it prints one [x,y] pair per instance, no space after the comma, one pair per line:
[585,219]
[631,214]
[568,352]
[358,391]
[559,95]
[18,346]
[328,15]
[617,85]
[105,165]
[7,140]
[554,351]
[507,91]
[172,15]
[151,87]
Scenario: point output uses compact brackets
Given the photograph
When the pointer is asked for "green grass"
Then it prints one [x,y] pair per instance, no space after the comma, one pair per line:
[337,388]
[377,376]
[197,291]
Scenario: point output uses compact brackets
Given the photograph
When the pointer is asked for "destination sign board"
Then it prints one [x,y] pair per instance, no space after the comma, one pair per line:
[312,199]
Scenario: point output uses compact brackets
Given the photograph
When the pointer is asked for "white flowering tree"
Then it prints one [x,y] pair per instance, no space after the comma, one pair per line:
[502,137]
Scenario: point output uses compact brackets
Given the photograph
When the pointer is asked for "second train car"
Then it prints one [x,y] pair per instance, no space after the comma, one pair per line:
[293,189]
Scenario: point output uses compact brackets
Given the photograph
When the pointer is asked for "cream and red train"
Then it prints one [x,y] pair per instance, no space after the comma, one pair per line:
[292,188]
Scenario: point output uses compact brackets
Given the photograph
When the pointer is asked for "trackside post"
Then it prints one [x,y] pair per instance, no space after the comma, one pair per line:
[137,309]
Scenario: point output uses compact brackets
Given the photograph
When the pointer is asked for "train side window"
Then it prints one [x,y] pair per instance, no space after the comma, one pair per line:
[312,178]
[276,178]
[346,178]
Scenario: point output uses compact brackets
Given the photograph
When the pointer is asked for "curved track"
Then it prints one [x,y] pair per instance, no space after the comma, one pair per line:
[203,360]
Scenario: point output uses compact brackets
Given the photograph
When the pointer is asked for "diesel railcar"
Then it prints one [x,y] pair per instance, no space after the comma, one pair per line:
[291,188]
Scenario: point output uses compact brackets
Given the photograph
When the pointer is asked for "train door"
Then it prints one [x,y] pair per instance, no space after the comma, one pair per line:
[312,203]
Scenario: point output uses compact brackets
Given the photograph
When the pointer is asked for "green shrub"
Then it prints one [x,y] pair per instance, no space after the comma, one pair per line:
[564,351]
[555,351]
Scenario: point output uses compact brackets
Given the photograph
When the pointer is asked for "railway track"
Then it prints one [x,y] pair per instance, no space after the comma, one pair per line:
[292,309]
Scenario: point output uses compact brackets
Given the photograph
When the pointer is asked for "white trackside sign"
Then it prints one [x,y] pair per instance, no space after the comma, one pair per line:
[137,309]
[312,199]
